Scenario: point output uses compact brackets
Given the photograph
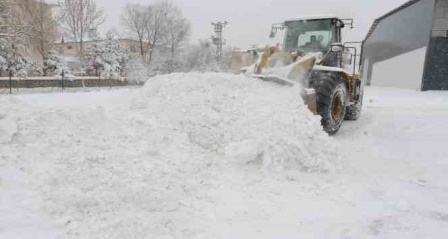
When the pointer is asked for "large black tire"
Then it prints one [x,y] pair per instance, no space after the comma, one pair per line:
[331,100]
[353,112]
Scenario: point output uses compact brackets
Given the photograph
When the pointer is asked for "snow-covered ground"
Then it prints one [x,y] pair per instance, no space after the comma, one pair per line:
[219,156]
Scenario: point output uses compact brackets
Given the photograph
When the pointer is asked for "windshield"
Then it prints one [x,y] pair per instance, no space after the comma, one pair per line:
[309,36]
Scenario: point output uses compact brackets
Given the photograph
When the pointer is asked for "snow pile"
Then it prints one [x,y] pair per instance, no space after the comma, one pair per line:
[241,118]
[143,166]
[186,156]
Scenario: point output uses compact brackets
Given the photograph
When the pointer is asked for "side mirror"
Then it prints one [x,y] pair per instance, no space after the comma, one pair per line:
[337,47]
[276,27]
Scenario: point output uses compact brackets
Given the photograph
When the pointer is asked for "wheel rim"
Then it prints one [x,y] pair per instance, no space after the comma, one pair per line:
[337,108]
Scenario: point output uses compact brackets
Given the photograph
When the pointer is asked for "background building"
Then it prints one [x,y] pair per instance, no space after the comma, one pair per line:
[408,47]
[69,51]
[30,21]
[132,47]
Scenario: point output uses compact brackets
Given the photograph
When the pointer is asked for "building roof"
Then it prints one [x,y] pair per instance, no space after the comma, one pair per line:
[378,20]
[312,17]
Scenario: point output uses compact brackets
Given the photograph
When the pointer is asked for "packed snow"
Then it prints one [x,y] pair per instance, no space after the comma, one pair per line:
[220,156]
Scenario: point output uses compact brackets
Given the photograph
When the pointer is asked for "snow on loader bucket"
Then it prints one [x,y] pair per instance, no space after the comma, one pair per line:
[278,67]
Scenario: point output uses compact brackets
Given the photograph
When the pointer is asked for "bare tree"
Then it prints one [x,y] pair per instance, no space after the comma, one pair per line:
[135,20]
[79,18]
[178,31]
[158,13]
[201,57]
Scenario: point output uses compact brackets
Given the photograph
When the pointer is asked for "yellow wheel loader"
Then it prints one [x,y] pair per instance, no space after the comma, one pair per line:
[314,56]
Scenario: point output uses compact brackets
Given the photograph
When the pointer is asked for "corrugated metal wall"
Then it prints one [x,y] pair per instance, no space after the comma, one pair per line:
[404,31]
[436,75]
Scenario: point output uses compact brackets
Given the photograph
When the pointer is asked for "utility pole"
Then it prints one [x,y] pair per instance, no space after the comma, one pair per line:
[217,40]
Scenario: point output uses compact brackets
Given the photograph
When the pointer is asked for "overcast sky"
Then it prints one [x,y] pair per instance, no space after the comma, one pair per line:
[250,20]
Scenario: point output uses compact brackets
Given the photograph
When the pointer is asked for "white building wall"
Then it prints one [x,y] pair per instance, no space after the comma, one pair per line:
[440,26]
[403,71]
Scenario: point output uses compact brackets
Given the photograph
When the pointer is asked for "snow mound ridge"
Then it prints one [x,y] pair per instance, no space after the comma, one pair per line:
[240,119]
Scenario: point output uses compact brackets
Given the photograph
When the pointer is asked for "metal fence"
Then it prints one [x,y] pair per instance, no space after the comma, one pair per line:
[15,84]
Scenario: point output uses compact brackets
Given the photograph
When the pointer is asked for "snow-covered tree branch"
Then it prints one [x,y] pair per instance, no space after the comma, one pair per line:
[11,58]
[56,64]
[107,58]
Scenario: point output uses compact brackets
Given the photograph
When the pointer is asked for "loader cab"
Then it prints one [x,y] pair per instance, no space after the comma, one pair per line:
[312,34]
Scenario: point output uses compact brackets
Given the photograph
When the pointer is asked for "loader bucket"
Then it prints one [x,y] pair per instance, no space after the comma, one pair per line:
[287,69]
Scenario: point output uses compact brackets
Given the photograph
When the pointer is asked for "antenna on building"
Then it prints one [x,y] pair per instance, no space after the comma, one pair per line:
[217,40]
